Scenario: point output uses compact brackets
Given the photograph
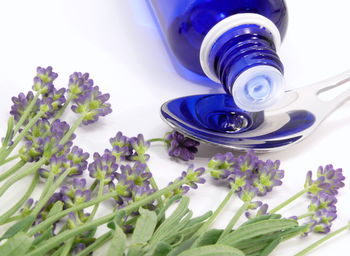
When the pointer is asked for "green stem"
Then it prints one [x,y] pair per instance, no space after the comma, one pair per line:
[51,243]
[75,125]
[48,185]
[26,113]
[51,188]
[291,199]
[9,159]
[46,223]
[152,180]
[234,220]
[215,214]
[5,217]
[99,195]
[93,186]
[309,214]
[157,139]
[60,112]
[12,170]
[67,246]
[321,241]
[97,244]
[11,219]
[22,134]
[21,175]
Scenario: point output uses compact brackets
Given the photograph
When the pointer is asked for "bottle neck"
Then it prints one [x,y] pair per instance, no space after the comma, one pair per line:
[245,61]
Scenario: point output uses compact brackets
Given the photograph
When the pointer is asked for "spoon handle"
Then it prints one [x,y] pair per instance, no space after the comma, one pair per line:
[324,97]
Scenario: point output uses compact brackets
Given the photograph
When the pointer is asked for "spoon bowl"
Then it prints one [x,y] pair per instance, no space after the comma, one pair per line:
[215,118]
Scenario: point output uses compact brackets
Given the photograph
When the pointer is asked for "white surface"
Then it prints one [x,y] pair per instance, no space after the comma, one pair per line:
[229,23]
[117,42]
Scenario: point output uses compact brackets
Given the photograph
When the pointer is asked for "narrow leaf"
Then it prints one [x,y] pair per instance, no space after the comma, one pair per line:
[213,250]
[268,249]
[46,235]
[172,222]
[257,229]
[145,226]
[169,202]
[56,208]
[208,238]
[19,226]
[182,247]
[9,132]
[143,232]
[118,243]
[162,249]
[261,218]
[18,245]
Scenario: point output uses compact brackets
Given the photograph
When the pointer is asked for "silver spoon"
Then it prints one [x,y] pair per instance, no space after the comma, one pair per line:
[215,119]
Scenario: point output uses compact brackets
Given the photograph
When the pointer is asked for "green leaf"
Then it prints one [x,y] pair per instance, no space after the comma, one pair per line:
[261,218]
[46,235]
[145,226]
[208,238]
[263,239]
[18,245]
[213,250]
[56,208]
[182,247]
[118,243]
[162,249]
[168,203]
[171,224]
[143,232]
[116,220]
[9,132]
[19,226]
[257,229]
[271,246]
[200,218]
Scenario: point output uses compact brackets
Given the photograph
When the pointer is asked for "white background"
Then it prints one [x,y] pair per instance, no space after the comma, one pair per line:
[117,42]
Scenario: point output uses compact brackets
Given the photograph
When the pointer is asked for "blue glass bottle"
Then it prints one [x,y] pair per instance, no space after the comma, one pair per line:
[233,42]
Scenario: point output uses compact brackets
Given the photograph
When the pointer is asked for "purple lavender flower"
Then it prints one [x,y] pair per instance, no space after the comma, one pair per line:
[261,210]
[140,192]
[247,193]
[121,147]
[79,84]
[180,146]
[181,190]
[140,146]
[34,142]
[76,193]
[104,167]
[27,207]
[43,82]
[43,139]
[20,103]
[193,176]
[267,176]
[53,101]
[322,201]
[246,162]
[92,105]
[220,165]
[137,174]
[328,180]
[321,221]
[76,161]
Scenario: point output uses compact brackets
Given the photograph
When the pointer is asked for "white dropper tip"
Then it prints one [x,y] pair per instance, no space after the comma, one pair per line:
[258,88]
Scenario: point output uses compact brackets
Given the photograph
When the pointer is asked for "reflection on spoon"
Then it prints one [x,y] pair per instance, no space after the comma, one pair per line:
[214,118]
